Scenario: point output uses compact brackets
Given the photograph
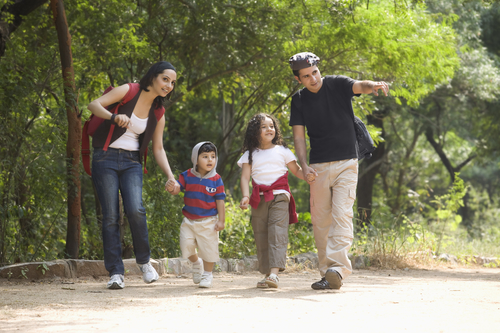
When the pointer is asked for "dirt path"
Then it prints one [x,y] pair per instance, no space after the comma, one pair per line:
[442,300]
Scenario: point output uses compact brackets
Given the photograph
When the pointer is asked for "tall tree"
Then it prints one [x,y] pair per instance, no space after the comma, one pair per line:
[74,130]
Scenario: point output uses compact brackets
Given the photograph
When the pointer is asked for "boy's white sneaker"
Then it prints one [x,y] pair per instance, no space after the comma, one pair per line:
[206,281]
[149,274]
[197,272]
[116,282]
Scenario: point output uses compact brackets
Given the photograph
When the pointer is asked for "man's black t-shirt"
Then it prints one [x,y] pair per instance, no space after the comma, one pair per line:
[328,118]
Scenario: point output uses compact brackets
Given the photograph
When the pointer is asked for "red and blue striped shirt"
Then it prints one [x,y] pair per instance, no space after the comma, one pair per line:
[200,195]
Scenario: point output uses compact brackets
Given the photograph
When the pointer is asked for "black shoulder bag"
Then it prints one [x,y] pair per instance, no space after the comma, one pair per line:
[364,142]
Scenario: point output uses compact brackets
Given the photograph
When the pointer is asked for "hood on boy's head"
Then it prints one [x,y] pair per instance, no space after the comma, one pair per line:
[194,159]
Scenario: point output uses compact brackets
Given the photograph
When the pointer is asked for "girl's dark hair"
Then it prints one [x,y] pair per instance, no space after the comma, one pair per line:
[207,148]
[252,134]
[153,72]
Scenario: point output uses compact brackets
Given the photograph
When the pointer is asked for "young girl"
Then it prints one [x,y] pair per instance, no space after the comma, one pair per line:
[267,159]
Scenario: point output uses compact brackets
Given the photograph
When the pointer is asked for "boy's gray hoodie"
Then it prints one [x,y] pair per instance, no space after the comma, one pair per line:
[194,159]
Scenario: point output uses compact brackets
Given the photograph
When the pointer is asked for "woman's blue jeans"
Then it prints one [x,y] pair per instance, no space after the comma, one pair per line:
[112,171]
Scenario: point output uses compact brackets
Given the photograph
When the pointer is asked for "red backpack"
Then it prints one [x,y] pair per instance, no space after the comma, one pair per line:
[94,122]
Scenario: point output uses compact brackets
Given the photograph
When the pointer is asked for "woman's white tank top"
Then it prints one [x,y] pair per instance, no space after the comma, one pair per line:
[130,140]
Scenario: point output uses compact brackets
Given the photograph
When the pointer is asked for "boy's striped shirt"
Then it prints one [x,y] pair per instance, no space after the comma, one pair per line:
[200,195]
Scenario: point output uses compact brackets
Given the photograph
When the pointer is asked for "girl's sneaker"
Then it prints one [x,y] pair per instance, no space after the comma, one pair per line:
[272,281]
[262,283]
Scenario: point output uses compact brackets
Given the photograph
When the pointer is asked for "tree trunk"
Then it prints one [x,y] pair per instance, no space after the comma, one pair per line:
[368,171]
[74,130]
[429,134]
[467,214]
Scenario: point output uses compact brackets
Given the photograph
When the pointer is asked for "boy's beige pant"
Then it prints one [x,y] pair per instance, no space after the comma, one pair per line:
[332,198]
[270,229]
[200,234]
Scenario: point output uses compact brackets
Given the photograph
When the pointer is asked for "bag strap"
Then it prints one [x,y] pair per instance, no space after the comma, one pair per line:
[86,148]
[159,112]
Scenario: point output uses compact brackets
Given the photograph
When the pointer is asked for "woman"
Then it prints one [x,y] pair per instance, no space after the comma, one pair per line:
[119,167]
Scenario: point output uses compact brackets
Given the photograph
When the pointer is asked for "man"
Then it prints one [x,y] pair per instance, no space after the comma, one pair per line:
[324,107]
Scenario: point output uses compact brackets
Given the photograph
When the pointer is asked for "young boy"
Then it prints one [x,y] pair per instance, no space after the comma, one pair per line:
[203,202]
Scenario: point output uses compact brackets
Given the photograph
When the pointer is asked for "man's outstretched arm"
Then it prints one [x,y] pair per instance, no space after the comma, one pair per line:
[368,87]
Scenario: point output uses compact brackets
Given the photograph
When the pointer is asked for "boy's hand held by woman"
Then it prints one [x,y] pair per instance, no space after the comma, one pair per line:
[170,185]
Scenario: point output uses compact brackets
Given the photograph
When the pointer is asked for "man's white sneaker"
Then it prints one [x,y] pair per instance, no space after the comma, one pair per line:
[206,281]
[197,272]
[116,282]
[149,274]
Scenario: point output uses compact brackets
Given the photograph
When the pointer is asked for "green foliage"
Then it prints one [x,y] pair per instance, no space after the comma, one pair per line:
[24,270]
[43,267]
[406,47]
[164,213]
[32,157]
[448,204]
[386,242]
[236,240]
[447,209]
[301,236]
[395,240]
[407,242]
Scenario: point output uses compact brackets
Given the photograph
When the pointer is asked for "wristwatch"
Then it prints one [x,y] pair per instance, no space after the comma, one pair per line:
[113,116]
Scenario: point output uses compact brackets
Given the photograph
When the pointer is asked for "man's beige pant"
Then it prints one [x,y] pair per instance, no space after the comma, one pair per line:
[332,198]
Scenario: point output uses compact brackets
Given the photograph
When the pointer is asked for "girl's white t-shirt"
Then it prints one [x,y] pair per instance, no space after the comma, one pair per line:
[130,139]
[268,165]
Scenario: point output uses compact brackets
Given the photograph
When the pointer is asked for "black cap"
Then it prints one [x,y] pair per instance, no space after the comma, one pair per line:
[303,60]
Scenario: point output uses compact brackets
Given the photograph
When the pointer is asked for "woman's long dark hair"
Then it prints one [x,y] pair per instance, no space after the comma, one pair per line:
[252,134]
[153,72]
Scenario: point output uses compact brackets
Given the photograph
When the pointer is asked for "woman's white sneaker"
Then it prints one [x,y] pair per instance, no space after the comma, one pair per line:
[116,282]
[149,274]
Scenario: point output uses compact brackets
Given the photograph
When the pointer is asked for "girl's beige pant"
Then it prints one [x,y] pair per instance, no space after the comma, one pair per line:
[270,229]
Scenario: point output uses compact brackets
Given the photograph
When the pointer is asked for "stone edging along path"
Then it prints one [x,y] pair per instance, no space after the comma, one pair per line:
[76,268]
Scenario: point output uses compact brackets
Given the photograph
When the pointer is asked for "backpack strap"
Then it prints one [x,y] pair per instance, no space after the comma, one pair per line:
[159,112]
[132,91]
[86,148]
